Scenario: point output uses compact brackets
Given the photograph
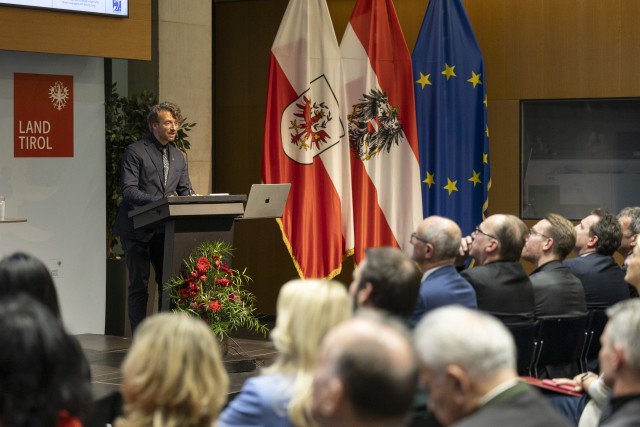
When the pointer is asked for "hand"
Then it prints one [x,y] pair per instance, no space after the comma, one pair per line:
[570,382]
[463,251]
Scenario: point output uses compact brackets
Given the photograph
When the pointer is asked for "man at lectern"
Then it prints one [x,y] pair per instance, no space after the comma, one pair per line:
[151,170]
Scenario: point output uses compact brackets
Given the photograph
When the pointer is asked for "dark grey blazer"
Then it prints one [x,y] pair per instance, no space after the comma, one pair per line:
[142,182]
[504,290]
[602,279]
[557,292]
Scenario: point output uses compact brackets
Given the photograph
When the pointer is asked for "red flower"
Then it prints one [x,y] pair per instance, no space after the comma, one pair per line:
[215,305]
[202,306]
[226,269]
[223,282]
[232,297]
[202,265]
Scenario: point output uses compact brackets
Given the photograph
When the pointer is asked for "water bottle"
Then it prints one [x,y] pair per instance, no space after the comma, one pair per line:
[1,208]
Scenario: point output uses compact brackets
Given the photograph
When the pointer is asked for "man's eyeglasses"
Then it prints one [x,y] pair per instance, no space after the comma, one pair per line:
[486,234]
[533,232]
[414,236]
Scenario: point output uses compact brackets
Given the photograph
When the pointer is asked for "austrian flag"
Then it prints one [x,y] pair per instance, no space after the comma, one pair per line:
[382,128]
[306,142]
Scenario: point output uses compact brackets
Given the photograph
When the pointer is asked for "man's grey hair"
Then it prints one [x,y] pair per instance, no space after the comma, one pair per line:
[633,212]
[475,341]
[623,329]
[445,237]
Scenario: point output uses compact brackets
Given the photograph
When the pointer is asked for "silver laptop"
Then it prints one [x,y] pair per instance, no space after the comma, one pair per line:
[266,200]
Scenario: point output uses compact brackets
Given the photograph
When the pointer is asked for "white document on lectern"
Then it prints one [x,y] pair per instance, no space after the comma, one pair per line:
[266,201]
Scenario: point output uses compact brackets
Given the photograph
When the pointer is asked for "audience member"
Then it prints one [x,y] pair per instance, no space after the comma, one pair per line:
[597,238]
[366,374]
[468,367]
[435,247]
[386,280]
[306,311]
[173,374]
[632,275]
[42,381]
[556,291]
[502,287]
[21,272]
[629,219]
[582,411]
[620,364]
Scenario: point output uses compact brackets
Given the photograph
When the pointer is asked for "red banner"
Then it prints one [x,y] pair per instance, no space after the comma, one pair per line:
[42,115]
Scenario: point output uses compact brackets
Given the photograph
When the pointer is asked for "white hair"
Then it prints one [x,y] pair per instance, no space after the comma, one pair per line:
[475,341]
[623,329]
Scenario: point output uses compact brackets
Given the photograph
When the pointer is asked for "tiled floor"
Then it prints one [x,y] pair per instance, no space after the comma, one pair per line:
[106,353]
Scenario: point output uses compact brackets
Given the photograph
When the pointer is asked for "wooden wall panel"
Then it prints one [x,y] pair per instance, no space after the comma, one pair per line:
[46,31]
[533,49]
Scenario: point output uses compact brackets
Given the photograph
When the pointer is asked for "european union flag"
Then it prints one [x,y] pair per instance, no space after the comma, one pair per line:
[451,110]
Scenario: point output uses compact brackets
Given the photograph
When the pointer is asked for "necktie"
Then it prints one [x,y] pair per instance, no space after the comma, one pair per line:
[165,164]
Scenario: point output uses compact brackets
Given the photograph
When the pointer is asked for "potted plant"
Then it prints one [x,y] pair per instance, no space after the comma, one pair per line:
[212,291]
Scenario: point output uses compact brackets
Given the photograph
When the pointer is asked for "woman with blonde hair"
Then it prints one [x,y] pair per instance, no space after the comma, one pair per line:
[306,311]
[173,375]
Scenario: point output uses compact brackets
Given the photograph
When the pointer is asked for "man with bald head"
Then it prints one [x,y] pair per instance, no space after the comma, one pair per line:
[366,374]
[502,287]
[435,246]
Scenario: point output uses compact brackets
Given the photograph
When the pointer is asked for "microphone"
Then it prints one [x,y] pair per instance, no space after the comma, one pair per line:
[188,177]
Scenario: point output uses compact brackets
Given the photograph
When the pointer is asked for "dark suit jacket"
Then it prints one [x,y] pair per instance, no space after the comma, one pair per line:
[557,292]
[519,406]
[621,411]
[142,182]
[443,287]
[504,290]
[602,279]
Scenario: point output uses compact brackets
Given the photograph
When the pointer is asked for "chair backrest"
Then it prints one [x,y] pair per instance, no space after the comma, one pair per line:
[560,340]
[525,338]
[596,321]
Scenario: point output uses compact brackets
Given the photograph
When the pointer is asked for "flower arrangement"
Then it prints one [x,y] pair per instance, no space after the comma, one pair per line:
[214,292]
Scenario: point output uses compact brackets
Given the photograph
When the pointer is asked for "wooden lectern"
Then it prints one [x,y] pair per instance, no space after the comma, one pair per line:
[188,221]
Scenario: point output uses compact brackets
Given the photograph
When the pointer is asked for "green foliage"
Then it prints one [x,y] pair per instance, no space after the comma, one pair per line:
[210,290]
[126,122]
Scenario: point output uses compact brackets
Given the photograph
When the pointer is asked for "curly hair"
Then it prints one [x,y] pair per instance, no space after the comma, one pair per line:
[172,108]
[608,231]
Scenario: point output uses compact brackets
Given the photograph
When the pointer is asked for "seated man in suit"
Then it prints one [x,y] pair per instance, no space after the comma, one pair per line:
[366,374]
[435,246]
[502,287]
[556,291]
[620,364]
[597,238]
[386,280]
[629,219]
[467,365]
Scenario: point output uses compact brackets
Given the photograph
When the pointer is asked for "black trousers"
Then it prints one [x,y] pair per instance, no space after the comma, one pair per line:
[139,256]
